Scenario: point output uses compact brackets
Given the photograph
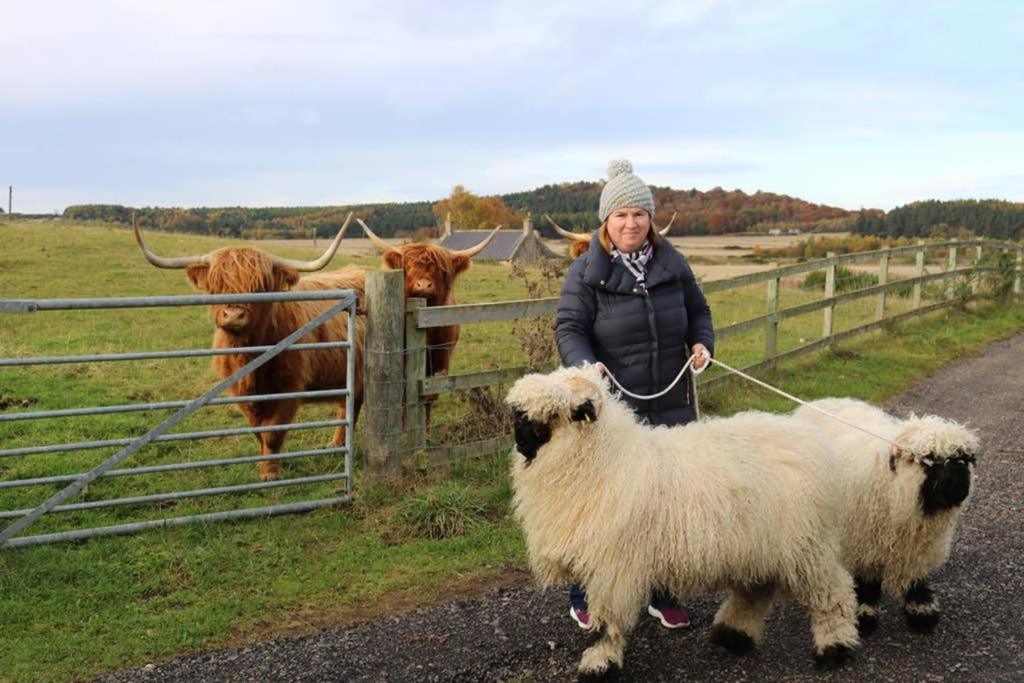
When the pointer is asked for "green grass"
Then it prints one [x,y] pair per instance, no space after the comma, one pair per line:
[72,611]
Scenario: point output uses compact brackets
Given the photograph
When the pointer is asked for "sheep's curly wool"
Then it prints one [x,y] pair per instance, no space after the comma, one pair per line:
[741,503]
[890,534]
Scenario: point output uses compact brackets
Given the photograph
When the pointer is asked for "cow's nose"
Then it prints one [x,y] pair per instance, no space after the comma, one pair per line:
[232,318]
[424,286]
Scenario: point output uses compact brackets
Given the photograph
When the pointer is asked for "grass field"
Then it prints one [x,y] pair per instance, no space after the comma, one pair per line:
[71,611]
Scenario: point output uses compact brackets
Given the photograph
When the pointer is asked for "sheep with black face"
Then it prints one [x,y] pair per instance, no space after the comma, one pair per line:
[900,503]
[741,503]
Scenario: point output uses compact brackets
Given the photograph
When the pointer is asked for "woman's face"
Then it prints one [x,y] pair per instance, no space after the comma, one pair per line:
[627,228]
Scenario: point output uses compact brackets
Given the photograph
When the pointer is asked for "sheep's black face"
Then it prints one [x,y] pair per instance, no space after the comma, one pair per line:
[530,435]
[946,483]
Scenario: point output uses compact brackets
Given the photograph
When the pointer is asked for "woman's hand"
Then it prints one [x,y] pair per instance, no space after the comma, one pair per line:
[701,356]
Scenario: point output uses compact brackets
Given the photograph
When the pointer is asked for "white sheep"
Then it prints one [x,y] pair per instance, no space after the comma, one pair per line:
[741,503]
[900,502]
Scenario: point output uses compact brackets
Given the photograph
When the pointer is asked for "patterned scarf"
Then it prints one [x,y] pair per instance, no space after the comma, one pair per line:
[636,262]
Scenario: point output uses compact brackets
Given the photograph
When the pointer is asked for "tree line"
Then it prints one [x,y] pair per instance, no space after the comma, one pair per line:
[267,222]
[572,205]
[714,212]
[932,218]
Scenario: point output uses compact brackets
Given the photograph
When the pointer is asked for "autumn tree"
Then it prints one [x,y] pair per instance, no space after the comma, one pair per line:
[471,211]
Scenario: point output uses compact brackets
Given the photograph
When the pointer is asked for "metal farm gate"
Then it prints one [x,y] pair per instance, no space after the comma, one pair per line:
[166,501]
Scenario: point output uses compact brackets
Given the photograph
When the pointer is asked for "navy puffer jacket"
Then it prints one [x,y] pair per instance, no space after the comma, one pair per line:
[643,338]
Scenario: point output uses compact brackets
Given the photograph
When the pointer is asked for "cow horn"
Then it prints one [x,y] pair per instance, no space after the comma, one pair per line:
[160,261]
[382,246]
[325,258]
[474,250]
[575,236]
[664,231]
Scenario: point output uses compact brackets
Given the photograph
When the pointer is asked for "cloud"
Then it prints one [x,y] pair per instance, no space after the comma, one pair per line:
[257,101]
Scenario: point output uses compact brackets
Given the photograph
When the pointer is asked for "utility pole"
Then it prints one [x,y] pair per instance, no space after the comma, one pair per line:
[10,200]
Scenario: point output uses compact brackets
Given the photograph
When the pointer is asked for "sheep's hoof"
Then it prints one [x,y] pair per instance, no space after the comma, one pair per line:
[867,624]
[922,622]
[833,657]
[733,640]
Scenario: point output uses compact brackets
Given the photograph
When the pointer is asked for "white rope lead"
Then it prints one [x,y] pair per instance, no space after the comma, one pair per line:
[791,397]
[661,393]
[744,375]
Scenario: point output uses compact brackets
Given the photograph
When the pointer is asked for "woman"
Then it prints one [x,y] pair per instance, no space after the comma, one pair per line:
[632,305]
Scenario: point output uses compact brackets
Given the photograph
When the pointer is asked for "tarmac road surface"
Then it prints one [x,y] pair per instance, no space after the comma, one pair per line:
[524,634]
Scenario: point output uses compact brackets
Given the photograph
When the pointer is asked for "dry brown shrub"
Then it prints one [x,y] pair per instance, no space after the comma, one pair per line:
[537,335]
[486,415]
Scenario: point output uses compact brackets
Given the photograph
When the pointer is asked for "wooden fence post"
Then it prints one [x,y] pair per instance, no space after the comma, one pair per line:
[950,267]
[883,278]
[919,262]
[415,370]
[383,383]
[771,328]
[976,284]
[1020,267]
[830,291]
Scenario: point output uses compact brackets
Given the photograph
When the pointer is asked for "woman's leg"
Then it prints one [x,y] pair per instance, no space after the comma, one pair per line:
[661,598]
[578,605]
[578,596]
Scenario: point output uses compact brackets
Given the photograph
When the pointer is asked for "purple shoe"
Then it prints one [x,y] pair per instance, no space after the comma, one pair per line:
[581,617]
[670,617]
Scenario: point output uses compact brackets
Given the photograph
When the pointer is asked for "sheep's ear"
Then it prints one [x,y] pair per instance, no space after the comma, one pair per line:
[585,412]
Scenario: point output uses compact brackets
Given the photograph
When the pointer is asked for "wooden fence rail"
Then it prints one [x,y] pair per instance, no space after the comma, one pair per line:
[401,337]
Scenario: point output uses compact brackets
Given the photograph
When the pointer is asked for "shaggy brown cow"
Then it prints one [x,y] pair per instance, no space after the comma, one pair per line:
[244,270]
[430,273]
[580,242]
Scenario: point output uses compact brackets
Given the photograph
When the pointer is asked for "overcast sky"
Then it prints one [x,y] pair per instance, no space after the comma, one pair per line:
[305,102]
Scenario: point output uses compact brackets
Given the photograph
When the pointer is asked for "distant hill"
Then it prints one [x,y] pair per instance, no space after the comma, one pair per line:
[281,222]
[573,205]
[714,212]
[932,218]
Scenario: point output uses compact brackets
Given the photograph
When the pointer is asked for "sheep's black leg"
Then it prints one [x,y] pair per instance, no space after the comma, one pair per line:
[921,607]
[869,592]
[739,623]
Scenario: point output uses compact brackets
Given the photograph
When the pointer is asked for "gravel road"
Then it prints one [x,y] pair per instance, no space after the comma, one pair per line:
[524,634]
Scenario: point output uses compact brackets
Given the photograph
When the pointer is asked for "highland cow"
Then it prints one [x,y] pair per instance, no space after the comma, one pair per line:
[246,270]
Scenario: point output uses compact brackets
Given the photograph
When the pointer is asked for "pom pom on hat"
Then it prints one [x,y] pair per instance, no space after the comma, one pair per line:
[624,190]
[617,167]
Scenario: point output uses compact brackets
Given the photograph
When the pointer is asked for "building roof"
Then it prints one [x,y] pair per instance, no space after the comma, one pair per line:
[501,248]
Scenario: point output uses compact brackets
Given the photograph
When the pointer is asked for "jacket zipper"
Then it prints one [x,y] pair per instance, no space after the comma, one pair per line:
[652,326]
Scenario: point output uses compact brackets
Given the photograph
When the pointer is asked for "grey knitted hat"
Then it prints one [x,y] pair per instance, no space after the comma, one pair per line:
[624,190]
